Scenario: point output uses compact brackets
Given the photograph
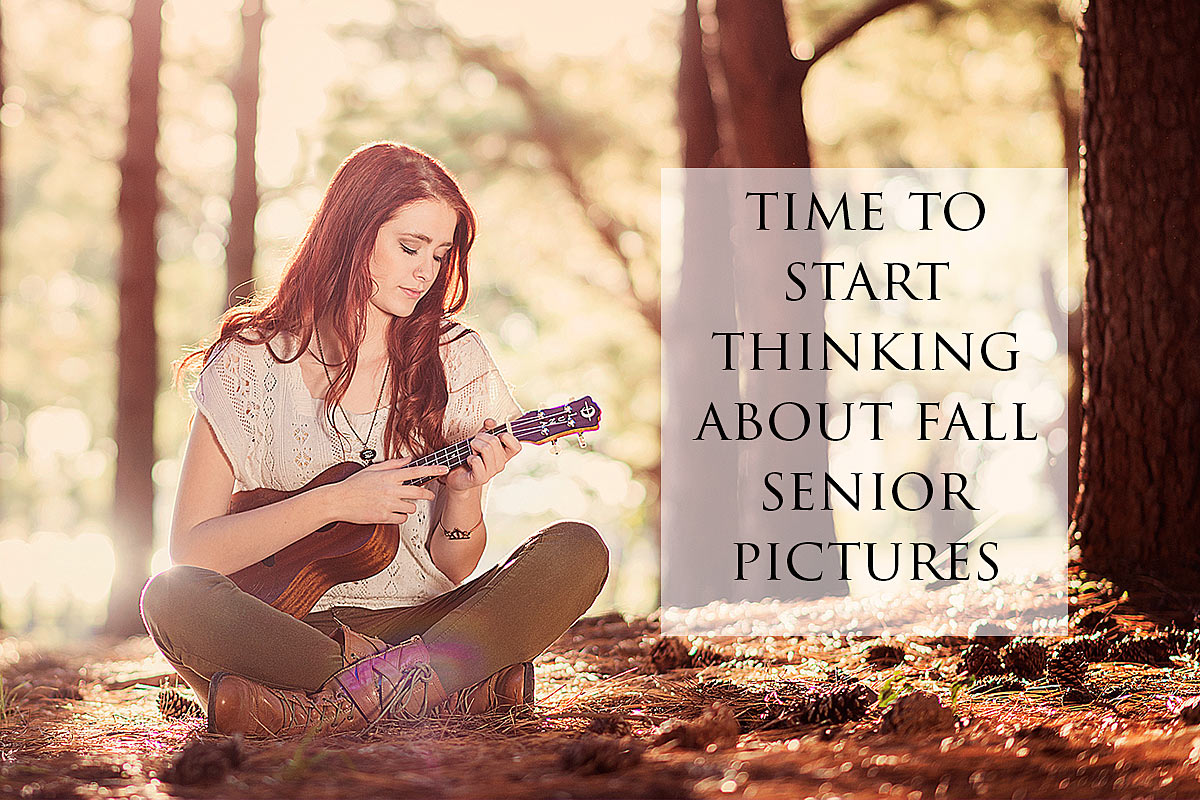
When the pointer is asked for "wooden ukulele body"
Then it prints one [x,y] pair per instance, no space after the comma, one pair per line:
[294,578]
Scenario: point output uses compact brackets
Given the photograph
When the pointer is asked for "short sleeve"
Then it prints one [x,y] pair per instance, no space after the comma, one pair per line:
[224,394]
[478,390]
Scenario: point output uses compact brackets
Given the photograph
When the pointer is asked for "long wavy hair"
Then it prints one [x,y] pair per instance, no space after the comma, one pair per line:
[327,277]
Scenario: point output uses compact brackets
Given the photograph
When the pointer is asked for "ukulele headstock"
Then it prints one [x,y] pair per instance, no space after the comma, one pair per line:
[547,424]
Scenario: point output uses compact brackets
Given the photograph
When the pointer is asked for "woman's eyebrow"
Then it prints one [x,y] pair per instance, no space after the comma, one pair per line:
[423,238]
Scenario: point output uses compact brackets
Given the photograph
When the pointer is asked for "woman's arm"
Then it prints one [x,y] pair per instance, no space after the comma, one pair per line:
[457,558]
[205,535]
[461,503]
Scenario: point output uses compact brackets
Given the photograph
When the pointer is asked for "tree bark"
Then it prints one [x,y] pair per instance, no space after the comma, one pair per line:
[137,350]
[1137,514]
[244,199]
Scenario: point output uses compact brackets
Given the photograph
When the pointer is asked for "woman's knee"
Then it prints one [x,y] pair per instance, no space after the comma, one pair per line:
[174,593]
[576,548]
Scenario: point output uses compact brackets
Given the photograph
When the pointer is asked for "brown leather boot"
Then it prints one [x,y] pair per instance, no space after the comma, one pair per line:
[396,682]
[511,686]
[356,646]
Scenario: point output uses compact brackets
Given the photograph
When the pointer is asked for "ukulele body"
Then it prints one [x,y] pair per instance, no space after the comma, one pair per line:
[294,578]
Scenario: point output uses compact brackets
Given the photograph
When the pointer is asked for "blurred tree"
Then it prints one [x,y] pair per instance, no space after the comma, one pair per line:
[1136,514]
[243,201]
[137,342]
[740,96]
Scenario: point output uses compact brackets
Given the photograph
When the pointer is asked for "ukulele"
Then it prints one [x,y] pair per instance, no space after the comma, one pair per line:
[294,578]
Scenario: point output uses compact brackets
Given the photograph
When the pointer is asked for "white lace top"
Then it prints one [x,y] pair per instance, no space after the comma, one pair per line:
[275,434]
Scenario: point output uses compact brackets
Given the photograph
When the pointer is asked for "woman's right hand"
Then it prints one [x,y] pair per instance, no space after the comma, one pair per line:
[377,493]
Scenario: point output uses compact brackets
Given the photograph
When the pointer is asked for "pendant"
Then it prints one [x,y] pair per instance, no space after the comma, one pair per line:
[367,455]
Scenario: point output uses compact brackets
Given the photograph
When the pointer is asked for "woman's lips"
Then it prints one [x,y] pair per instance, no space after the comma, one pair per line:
[410,293]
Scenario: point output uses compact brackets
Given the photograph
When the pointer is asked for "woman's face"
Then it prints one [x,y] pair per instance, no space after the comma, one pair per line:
[408,253]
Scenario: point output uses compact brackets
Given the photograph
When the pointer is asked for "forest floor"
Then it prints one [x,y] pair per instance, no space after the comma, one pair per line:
[618,716]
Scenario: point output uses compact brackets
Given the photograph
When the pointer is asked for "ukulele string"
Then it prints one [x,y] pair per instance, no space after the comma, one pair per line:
[458,453]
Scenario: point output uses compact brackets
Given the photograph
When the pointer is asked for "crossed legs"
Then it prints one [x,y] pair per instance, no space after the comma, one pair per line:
[204,624]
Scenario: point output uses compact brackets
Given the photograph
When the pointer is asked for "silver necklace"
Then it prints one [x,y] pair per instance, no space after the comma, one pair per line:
[367,454]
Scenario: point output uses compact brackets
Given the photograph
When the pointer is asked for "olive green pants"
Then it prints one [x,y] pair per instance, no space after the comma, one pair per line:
[204,624]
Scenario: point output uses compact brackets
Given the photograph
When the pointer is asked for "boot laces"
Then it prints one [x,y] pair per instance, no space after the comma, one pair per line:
[308,711]
[402,691]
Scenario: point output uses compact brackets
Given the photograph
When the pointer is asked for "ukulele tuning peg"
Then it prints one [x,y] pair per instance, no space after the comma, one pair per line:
[582,443]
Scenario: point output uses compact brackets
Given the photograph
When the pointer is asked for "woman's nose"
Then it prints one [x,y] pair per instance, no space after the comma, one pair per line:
[427,268]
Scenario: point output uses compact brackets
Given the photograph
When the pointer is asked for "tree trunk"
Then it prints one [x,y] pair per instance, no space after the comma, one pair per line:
[1137,515]
[763,80]
[137,350]
[243,201]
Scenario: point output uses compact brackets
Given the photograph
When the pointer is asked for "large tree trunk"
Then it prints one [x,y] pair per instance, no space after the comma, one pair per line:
[137,350]
[1137,513]
[702,298]
[243,201]
[764,107]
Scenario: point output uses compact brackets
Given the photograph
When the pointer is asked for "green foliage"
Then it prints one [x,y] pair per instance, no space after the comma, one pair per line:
[893,688]
[956,688]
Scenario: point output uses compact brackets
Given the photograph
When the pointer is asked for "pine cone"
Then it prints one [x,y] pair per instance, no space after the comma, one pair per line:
[204,762]
[883,654]
[980,660]
[595,754]
[1067,664]
[670,652]
[1025,658]
[916,712]
[704,656]
[989,633]
[1152,649]
[174,704]
[610,724]
[1094,647]
[838,701]
[1179,639]
[717,725]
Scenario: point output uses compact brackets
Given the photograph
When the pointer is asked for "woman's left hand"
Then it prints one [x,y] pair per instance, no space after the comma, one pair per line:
[491,454]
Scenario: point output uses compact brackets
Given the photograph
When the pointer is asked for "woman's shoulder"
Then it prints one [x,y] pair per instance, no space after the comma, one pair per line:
[459,343]
[249,345]
[464,355]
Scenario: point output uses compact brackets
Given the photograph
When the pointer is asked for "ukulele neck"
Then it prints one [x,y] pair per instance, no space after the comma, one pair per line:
[453,455]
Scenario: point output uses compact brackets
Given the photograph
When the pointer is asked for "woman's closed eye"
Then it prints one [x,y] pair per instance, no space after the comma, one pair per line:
[413,252]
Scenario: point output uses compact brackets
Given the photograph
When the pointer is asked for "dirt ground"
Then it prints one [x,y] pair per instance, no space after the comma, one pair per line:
[85,722]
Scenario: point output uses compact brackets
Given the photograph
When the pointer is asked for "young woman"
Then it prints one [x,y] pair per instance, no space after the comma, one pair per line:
[295,383]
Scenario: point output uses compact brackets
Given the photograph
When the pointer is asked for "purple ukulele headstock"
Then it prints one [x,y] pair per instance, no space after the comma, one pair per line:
[547,424]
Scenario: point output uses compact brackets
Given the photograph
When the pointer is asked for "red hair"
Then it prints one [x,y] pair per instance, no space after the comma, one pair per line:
[327,276]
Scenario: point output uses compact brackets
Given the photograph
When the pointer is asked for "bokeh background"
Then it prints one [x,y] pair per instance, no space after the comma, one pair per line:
[556,117]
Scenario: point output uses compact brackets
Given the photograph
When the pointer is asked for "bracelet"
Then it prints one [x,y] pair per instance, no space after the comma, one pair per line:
[459,533]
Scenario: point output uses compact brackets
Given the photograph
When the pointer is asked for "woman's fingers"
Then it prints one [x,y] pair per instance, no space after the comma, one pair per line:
[391,463]
[510,443]
[427,470]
